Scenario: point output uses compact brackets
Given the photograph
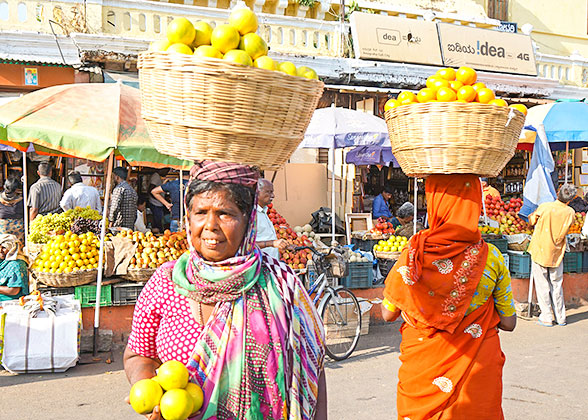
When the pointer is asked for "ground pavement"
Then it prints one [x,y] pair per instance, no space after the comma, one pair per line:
[545,377]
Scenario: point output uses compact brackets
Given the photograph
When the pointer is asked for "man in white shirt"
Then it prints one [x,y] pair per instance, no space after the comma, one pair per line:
[266,234]
[80,195]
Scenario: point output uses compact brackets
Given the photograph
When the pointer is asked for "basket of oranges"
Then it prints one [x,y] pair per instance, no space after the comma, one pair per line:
[215,94]
[454,125]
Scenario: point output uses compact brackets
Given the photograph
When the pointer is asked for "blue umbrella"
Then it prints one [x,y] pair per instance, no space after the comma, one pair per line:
[372,155]
[566,123]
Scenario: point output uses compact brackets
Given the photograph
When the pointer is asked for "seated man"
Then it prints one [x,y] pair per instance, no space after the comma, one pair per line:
[405,216]
[381,205]
[488,189]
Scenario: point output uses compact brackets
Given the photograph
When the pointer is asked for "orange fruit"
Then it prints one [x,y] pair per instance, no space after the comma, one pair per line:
[478,86]
[447,74]
[485,95]
[225,38]
[466,75]
[391,103]
[244,20]
[254,45]
[446,94]
[180,48]
[498,102]
[431,80]
[425,95]
[466,93]
[439,83]
[180,31]
[238,57]
[520,107]
[145,395]
[406,96]
[455,85]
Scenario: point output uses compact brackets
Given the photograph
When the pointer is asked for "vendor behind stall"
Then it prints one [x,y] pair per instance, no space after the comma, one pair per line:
[14,281]
[488,189]
[381,205]
[267,239]
[405,216]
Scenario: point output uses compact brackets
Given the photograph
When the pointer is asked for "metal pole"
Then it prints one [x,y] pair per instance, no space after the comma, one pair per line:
[25,193]
[332,158]
[484,204]
[414,220]
[567,149]
[181,200]
[530,297]
[101,252]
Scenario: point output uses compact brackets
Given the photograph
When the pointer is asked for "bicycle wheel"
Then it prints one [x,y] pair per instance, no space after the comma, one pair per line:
[341,316]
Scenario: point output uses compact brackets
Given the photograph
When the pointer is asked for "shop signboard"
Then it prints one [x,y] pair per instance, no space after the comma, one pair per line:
[485,49]
[378,37]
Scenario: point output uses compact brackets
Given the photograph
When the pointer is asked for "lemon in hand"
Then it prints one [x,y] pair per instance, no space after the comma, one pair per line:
[145,395]
[176,404]
[197,396]
[172,374]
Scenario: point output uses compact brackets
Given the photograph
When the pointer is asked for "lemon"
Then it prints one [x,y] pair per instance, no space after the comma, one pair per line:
[254,45]
[161,45]
[203,32]
[238,57]
[197,396]
[225,38]
[207,51]
[264,62]
[180,48]
[287,67]
[176,404]
[244,20]
[145,395]
[180,31]
[310,74]
[172,374]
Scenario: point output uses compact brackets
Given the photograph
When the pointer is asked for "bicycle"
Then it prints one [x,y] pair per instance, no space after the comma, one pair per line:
[338,308]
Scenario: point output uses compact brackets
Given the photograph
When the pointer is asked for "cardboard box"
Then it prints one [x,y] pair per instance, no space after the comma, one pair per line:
[485,49]
[378,37]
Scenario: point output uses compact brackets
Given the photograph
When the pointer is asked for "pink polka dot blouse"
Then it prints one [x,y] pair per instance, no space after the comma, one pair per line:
[163,325]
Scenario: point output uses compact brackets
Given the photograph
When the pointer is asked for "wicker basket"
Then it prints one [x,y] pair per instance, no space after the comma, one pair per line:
[140,275]
[453,137]
[206,108]
[76,278]
[387,255]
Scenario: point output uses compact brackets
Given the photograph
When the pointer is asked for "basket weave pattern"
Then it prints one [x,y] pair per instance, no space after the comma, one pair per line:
[453,137]
[197,108]
[77,278]
[139,274]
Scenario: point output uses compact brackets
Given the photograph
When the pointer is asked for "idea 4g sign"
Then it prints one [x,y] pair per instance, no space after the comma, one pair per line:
[485,49]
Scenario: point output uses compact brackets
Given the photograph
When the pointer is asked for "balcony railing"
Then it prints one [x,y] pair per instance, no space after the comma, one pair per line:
[288,27]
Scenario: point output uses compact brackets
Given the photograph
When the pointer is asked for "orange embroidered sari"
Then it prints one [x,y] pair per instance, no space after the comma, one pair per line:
[451,363]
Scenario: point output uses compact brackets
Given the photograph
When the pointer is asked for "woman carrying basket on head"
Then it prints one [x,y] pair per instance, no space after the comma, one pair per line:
[453,292]
[239,320]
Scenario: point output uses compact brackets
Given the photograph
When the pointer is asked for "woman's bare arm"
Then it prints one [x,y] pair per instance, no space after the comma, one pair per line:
[321,404]
[139,367]
[507,323]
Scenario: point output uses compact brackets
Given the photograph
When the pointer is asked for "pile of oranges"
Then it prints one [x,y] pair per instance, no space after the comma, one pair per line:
[449,85]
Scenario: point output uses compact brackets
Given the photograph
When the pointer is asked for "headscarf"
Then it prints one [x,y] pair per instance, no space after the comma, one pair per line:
[436,276]
[11,244]
[261,353]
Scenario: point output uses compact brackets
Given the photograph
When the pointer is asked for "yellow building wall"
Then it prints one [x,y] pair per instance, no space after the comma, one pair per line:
[559,27]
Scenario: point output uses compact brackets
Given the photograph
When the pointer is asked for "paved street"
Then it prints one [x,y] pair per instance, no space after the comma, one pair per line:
[545,378]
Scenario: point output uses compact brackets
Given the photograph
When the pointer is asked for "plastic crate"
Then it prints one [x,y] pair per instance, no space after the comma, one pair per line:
[585,261]
[367,245]
[87,295]
[361,276]
[572,262]
[519,264]
[126,293]
[57,291]
[506,260]
[501,244]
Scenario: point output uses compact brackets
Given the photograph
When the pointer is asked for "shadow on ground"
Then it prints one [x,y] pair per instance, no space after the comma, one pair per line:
[86,366]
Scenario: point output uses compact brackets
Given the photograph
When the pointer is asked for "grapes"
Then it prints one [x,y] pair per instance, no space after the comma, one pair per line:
[42,227]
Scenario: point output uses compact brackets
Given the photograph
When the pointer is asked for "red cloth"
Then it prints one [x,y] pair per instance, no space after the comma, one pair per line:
[224,172]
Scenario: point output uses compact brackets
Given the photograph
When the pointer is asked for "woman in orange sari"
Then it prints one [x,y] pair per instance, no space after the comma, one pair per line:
[453,292]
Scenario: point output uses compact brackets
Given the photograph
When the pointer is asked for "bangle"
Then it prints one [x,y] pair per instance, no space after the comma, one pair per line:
[389,305]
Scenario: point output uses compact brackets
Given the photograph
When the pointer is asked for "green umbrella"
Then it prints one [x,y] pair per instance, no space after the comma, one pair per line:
[84,120]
